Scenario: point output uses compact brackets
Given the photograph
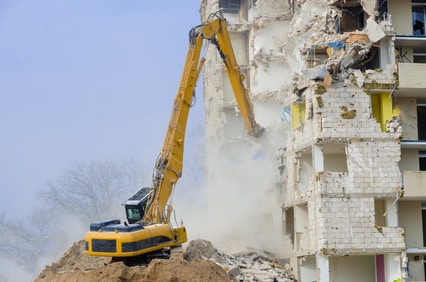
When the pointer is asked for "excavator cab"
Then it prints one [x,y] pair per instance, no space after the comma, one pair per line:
[136,204]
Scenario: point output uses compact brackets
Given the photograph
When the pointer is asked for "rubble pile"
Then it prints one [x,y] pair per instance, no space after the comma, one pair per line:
[202,262]
[245,266]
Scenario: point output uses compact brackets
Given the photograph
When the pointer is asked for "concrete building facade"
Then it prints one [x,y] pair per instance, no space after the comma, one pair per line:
[340,86]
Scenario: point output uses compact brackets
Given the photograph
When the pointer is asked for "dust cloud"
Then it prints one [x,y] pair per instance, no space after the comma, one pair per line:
[11,272]
[239,207]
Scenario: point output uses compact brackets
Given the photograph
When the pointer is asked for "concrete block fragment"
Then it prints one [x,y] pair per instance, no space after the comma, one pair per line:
[234,271]
[374,31]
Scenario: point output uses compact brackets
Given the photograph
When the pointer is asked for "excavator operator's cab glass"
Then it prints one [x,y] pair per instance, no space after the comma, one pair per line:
[134,213]
[135,205]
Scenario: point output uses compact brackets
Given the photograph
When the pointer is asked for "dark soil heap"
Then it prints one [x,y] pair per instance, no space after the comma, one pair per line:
[76,266]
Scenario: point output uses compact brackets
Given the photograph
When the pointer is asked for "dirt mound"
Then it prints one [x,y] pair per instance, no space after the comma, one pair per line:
[116,271]
[200,262]
[180,270]
[75,266]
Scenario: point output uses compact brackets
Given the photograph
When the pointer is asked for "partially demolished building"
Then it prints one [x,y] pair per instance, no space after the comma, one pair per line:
[340,86]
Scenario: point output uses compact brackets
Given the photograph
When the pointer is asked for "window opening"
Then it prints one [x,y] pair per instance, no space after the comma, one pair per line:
[421,118]
[382,7]
[424,232]
[379,211]
[289,223]
[419,55]
[418,15]
[353,18]
[230,6]
[382,109]
[335,158]
[373,61]
[422,161]
[402,55]
[304,172]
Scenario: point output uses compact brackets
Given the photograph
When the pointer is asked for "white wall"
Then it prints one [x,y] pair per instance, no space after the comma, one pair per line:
[410,217]
[352,269]
[408,107]
[401,16]
[407,162]
[307,269]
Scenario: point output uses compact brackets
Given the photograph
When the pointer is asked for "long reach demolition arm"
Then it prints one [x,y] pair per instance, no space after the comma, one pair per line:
[148,213]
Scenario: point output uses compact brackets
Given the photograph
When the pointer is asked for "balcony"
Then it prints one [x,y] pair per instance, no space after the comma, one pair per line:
[411,76]
[414,184]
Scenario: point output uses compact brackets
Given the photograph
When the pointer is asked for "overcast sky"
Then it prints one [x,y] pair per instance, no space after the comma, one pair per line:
[84,80]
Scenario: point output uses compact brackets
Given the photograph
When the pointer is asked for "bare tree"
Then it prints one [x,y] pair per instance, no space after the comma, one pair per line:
[93,191]
[23,242]
[84,193]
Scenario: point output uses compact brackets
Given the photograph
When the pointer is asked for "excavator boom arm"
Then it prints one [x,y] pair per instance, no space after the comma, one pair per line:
[236,78]
[168,168]
[169,164]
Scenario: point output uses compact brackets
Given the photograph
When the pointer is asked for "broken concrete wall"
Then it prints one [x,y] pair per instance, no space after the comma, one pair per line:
[345,226]
[325,97]
[364,175]
[264,9]
[336,107]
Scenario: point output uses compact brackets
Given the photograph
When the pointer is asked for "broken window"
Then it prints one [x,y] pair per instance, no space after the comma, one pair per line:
[230,6]
[418,17]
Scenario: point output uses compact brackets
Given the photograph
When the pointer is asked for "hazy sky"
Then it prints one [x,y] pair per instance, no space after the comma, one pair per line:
[84,80]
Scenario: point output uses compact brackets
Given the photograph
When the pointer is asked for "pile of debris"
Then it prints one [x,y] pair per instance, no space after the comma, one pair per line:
[201,262]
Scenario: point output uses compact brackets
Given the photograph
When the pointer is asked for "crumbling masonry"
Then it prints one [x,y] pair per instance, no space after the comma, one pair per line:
[340,87]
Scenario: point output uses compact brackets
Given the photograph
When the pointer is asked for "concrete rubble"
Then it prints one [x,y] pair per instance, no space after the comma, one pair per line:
[244,266]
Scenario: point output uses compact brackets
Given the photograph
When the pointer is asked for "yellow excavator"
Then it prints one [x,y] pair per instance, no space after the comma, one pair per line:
[148,228]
